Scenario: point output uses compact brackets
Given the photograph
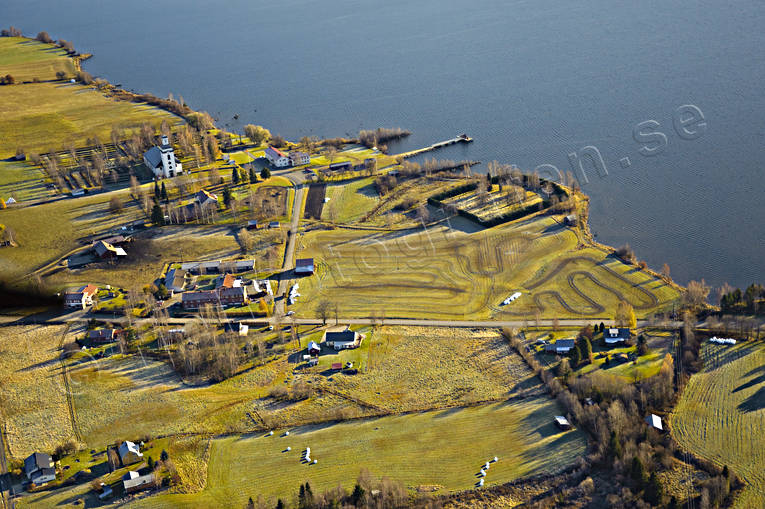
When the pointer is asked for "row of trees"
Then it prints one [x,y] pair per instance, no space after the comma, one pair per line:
[750,301]
[367,493]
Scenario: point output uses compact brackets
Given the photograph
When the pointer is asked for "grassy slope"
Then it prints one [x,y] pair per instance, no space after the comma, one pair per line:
[721,415]
[41,116]
[49,231]
[26,59]
[442,448]
[22,181]
[448,273]
[349,202]
[33,403]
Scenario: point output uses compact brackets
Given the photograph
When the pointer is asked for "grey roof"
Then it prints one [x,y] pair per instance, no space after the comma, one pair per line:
[138,481]
[37,461]
[342,337]
[302,264]
[564,343]
[101,334]
[153,156]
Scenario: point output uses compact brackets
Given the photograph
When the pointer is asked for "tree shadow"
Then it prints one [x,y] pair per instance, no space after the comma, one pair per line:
[754,402]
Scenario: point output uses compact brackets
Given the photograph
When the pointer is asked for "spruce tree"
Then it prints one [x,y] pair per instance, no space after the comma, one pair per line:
[265,173]
[279,504]
[156,189]
[654,492]
[235,176]
[226,197]
[586,349]
[163,191]
[253,176]
[157,217]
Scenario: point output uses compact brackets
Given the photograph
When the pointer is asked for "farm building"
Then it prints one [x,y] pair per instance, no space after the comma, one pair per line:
[252,224]
[39,468]
[342,340]
[616,335]
[560,346]
[299,158]
[102,335]
[235,296]
[562,422]
[133,482]
[227,281]
[277,158]
[162,161]
[274,224]
[175,280]
[195,300]
[106,251]
[80,297]
[654,421]
[244,265]
[304,266]
[570,220]
[205,198]
[314,348]
[129,452]
[345,166]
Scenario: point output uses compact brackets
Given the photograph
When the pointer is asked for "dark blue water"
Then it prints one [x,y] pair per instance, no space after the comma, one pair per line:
[531,81]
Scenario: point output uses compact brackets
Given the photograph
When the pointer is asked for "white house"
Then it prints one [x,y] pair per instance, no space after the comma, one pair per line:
[162,161]
[342,340]
[39,468]
[80,298]
[616,335]
[277,158]
[299,158]
[130,452]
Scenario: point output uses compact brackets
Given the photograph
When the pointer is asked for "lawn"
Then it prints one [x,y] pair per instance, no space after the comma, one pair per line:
[42,116]
[439,449]
[349,202]
[22,181]
[466,272]
[27,59]
[721,414]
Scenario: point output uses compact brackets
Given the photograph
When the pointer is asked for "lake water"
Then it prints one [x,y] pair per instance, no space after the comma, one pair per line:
[531,80]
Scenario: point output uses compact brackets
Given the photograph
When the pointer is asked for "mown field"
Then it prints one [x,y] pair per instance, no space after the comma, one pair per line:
[22,181]
[447,272]
[27,59]
[33,403]
[721,415]
[42,116]
[439,449]
[349,202]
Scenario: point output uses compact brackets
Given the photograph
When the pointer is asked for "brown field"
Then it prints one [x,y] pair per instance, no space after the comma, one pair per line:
[33,403]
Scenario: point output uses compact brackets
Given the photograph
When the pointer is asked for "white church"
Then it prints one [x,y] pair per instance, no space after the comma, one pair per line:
[162,161]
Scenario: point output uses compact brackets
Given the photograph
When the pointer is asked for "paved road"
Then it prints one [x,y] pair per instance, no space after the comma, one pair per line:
[289,250]
[79,316]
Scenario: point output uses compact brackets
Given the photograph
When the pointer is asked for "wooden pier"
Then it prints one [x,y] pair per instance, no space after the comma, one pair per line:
[462,138]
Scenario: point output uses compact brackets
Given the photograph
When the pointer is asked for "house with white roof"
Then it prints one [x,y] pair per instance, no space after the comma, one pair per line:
[130,452]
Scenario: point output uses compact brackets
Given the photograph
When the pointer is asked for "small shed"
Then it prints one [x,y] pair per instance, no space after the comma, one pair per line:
[562,422]
[654,421]
[337,366]
[314,348]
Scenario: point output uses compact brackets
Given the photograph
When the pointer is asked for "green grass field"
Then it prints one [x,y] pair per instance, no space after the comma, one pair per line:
[442,449]
[42,116]
[721,415]
[452,273]
[349,202]
[22,181]
[27,59]
[51,230]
